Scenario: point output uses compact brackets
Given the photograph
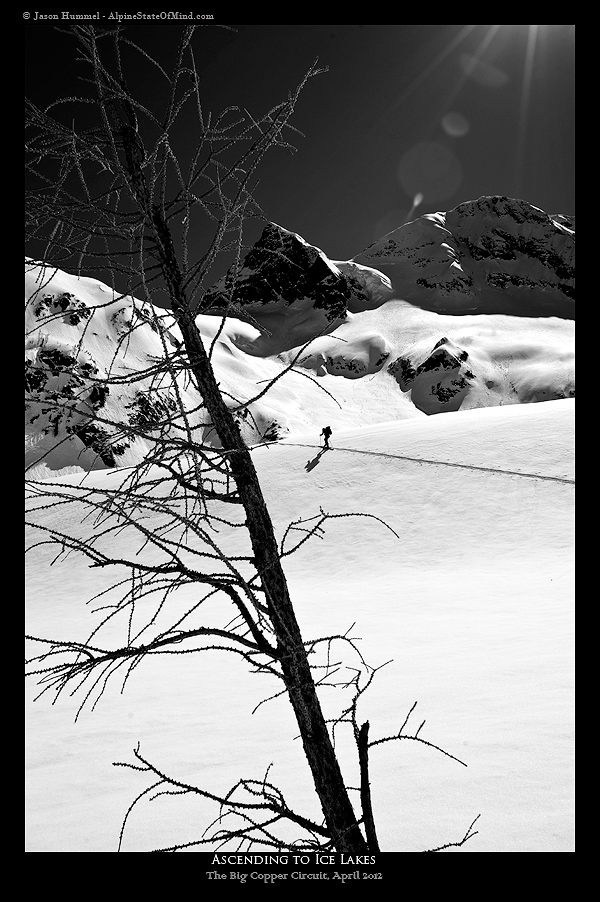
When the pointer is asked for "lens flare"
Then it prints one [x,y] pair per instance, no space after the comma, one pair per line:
[418,200]
[455,124]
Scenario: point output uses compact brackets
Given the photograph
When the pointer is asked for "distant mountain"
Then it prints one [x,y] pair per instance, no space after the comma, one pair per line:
[492,255]
[471,308]
[293,290]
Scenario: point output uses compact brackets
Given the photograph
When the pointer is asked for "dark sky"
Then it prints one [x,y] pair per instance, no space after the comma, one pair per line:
[451,112]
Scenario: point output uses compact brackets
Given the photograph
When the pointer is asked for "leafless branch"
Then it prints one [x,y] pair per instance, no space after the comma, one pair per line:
[118,195]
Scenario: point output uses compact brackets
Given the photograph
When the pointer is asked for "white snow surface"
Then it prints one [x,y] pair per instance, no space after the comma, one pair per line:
[471,601]
[344,378]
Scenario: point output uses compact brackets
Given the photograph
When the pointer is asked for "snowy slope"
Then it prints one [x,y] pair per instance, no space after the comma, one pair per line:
[472,600]
[491,255]
[426,354]
[90,369]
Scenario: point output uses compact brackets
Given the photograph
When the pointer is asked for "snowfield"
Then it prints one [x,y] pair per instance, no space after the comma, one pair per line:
[447,555]
[467,591]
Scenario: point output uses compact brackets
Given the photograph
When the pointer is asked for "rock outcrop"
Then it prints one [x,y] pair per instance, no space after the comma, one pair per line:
[91,400]
[291,290]
[440,383]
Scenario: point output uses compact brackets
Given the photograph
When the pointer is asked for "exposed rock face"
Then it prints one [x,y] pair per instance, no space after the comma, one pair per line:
[280,269]
[492,255]
[440,382]
[292,290]
[77,341]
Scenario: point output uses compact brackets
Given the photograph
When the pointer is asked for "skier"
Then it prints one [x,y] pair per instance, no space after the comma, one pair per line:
[326,433]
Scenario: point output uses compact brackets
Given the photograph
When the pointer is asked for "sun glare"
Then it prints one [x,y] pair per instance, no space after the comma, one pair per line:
[488,59]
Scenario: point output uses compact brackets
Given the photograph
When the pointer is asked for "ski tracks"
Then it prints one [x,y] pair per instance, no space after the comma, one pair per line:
[441,463]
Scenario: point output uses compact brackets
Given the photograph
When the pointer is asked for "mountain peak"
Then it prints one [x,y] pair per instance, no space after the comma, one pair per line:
[494,254]
[293,289]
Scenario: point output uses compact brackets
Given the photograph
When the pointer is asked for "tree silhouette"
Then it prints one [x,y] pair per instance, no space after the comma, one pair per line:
[117,195]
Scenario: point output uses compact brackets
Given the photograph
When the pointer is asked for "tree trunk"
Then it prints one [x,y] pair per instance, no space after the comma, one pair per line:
[327,775]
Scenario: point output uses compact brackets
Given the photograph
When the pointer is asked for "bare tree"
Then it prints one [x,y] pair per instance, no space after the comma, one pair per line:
[117,194]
